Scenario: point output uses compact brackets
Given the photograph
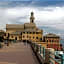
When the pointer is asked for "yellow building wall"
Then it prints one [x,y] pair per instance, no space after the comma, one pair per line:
[13,30]
[30,37]
[12,37]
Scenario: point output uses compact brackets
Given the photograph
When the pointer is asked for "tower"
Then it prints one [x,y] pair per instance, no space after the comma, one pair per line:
[32,17]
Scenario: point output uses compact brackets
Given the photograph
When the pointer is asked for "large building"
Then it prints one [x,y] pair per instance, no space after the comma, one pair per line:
[27,31]
[30,32]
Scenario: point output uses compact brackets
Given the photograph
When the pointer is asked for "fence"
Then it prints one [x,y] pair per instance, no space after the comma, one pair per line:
[48,54]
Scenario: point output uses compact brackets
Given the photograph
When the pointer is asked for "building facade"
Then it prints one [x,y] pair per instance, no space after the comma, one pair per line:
[27,31]
[53,41]
[30,32]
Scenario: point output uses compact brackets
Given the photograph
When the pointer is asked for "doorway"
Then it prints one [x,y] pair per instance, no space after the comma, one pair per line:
[15,38]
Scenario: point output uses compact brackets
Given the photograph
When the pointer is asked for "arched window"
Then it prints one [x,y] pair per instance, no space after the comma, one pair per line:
[36,37]
[32,20]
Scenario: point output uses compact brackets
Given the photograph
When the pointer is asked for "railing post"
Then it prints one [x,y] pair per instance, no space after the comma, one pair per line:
[48,55]
[34,45]
[40,49]
[43,52]
[62,59]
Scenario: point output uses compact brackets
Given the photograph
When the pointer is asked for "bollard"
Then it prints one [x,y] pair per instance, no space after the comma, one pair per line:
[40,49]
[62,59]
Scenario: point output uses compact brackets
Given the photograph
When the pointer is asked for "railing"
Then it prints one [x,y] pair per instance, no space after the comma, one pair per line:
[60,59]
[46,53]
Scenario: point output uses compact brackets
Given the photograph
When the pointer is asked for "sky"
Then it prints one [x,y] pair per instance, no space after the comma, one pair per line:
[49,15]
[31,0]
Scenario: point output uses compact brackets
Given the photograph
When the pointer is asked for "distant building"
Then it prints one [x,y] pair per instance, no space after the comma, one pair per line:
[53,41]
[51,38]
[27,31]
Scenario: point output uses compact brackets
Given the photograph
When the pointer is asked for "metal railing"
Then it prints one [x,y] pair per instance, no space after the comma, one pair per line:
[42,51]
[60,59]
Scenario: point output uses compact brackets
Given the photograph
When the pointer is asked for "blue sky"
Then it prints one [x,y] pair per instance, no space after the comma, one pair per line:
[31,0]
[49,15]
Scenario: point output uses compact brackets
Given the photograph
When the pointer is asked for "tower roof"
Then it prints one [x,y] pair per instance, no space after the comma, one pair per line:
[32,17]
[32,12]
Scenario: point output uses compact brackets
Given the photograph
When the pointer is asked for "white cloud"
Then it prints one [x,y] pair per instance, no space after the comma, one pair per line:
[48,16]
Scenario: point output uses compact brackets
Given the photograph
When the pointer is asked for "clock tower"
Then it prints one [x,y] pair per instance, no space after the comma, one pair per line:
[32,17]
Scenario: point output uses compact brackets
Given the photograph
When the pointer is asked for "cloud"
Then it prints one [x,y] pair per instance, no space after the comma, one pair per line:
[48,16]
[51,16]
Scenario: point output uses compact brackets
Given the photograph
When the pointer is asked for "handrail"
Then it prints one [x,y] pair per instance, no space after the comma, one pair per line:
[55,60]
[41,50]
[60,57]
[55,55]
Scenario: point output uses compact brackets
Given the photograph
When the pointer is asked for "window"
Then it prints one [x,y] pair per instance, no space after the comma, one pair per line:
[40,39]
[30,32]
[33,37]
[24,32]
[49,40]
[33,32]
[5,34]
[23,36]
[47,44]
[36,32]
[32,20]
[27,32]
[36,37]
[19,37]
[27,36]
[15,38]
[12,36]
[21,33]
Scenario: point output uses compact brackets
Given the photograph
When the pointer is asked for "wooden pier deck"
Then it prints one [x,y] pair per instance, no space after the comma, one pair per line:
[18,53]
